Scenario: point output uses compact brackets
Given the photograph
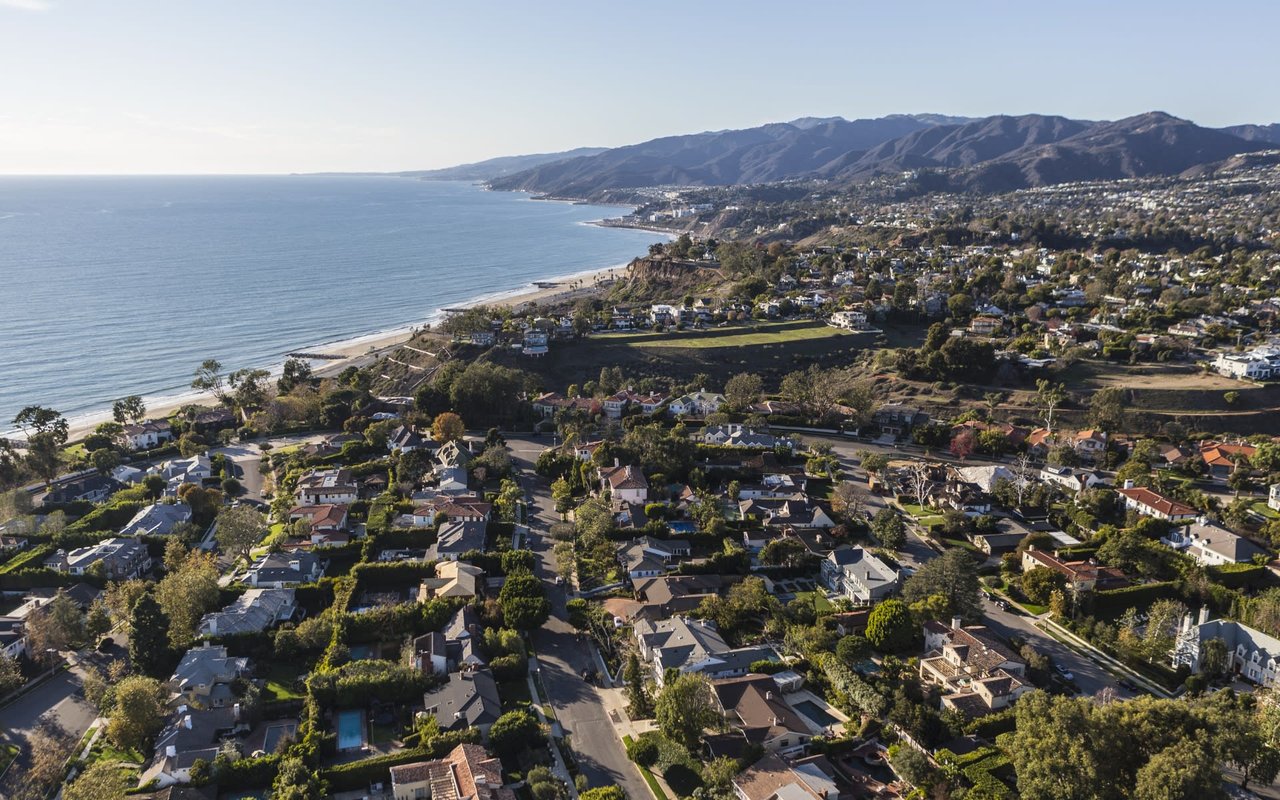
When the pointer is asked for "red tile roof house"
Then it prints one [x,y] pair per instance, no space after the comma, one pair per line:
[1153,504]
[625,483]
[1082,576]
[467,773]
[1220,460]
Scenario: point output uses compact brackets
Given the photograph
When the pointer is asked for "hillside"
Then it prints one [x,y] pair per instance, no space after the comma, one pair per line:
[497,167]
[774,152]
[990,154]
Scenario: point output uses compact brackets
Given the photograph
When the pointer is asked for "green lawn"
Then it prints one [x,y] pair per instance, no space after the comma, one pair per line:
[930,521]
[1034,608]
[821,603]
[769,333]
[514,694]
[965,544]
[280,681]
[1261,508]
[919,511]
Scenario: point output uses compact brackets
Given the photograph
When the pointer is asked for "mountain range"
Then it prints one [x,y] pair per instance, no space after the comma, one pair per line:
[988,154]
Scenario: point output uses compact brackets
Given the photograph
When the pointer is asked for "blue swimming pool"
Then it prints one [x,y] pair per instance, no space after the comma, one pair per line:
[350,730]
[816,713]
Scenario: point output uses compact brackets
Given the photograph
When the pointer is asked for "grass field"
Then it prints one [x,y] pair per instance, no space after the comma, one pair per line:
[1262,509]
[280,682]
[770,333]
[820,601]
[918,511]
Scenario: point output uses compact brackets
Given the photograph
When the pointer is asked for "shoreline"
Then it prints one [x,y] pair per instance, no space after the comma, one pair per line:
[359,350]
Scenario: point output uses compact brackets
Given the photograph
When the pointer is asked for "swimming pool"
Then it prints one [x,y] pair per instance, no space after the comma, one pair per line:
[350,729]
[816,713]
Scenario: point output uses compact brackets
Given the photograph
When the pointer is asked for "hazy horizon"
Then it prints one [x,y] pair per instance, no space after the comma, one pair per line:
[145,87]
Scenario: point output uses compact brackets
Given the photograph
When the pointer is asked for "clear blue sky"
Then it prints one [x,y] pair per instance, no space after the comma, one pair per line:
[256,86]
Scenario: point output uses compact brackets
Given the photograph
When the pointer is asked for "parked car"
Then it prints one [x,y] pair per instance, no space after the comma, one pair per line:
[1064,672]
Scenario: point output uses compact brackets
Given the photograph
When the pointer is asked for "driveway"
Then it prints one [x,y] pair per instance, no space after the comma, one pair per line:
[579,708]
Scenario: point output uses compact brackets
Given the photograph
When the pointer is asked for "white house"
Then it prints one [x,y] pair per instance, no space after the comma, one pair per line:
[1153,504]
[1273,497]
[852,320]
[626,484]
[327,486]
[700,403]
[1251,654]
[146,435]
[857,574]
[1212,545]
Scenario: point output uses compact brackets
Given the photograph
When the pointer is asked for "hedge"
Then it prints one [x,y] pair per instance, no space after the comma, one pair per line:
[246,773]
[360,774]
[992,725]
[44,577]
[1112,603]
[30,559]
[109,518]
[386,573]
[1238,576]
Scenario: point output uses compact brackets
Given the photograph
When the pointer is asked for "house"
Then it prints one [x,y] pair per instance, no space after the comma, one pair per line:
[850,320]
[985,326]
[469,700]
[196,469]
[1089,444]
[205,674]
[94,488]
[321,519]
[754,705]
[1039,442]
[453,579]
[962,496]
[1082,576]
[896,419]
[772,778]
[549,403]
[1251,654]
[190,735]
[534,343]
[791,512]
[278,570]
[700,403]
[976,672]
[455,538]
[735,435]
[1220,460]
[12,543]
[857,574]
[1260,364]
[1073,479]
[625,483]
[147,435]
[252,612]
[648,557]
[118,559]
[667,595]
[13,637]
[1273,497]
[324,486]
[157,519]
[454,647]
[467,773]
[452,507]
[1212,545]
[693,645]
[406,439]
[1153,504]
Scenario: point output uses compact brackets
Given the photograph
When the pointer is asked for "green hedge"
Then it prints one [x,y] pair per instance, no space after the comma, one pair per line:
[246,773]
[109,518]
[1239,576]
[1114,602]
[31,559]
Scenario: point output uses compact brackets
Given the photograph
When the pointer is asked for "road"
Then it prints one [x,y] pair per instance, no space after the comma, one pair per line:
[579,708]
[59,702]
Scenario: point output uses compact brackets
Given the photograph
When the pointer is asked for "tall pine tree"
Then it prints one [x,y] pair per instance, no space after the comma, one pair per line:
[640,706]
[149,642]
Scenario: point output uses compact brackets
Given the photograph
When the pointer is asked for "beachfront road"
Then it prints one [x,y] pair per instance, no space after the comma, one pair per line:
[579,708]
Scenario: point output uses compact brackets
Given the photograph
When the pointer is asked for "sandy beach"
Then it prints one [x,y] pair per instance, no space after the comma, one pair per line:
[362,350]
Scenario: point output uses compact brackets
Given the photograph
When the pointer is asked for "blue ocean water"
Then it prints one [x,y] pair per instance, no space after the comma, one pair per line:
[111,286]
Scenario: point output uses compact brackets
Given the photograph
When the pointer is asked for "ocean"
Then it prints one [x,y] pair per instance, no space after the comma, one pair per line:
[115,286]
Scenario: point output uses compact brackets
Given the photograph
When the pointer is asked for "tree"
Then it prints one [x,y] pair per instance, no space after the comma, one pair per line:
[1052,749]
[890,628]
[603,793]
[138,713]
[742,390]
[683,709]
[562,495]
[639,705]
[47,747]
[1181,772]
[149,637]
[10,675]
[873,463]
[104,460]
[1107,409]
[954,575]
[1039,583]
[1049,396]
[784,551]
[239,529]
[129,409]
[97,620]
[447,427]
[101,780]
[296,373]
[889,529]
[514,732]
[58,625]
[250,386]
[46,432]
[1213,657]
[523,601]
[208,378]
[964,443]
[912,766]
[846,499]
[295,781]
[852,649]
[120,597]
[186,593]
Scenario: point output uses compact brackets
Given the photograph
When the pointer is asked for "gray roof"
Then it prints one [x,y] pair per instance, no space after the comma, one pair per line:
[455,538]
[157,519]
[255,610]
[468,700]
[1223,542]
[206,666]
[280,567]
[194,733]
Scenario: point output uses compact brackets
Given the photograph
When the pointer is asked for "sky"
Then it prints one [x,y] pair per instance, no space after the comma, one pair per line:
[247,86]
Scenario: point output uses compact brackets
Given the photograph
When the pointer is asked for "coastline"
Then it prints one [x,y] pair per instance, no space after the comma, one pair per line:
[360,350]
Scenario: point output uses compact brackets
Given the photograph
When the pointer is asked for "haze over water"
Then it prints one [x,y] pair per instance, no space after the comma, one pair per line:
[111,286]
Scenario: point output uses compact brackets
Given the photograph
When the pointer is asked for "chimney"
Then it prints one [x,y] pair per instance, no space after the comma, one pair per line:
[1204,614]
[171,751]
[955,623]
[1128,484]
[235,711]
[615,462]
[768,695]
[186,722]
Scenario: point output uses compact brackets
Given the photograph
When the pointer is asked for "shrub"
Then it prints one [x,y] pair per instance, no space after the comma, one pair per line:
[644,749]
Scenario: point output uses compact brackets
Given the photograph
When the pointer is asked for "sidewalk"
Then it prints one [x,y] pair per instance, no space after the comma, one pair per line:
[558,767]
